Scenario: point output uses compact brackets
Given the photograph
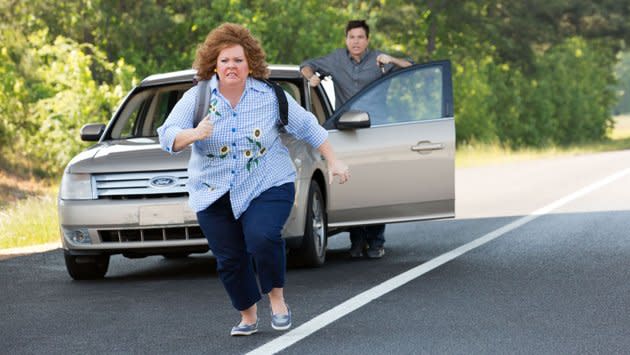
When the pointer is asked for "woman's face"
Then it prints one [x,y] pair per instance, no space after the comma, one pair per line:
[232,66]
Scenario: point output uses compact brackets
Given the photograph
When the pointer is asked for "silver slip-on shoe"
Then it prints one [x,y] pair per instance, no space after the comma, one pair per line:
[244,329]
[375,253]
[281,321]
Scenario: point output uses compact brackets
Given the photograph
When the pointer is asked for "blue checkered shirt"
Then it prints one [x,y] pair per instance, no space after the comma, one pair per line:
[244,155]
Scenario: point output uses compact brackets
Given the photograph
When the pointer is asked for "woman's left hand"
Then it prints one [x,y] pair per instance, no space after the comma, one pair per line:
[340,169]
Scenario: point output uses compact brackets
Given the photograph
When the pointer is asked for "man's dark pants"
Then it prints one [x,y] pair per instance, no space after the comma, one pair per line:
[373,236]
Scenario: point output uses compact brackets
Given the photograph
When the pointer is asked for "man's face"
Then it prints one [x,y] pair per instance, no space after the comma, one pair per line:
[356,41]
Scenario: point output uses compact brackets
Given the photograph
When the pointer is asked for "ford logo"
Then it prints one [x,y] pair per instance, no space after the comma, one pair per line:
[163,181]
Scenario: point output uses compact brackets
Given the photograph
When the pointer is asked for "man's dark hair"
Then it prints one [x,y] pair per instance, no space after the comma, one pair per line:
[358,24]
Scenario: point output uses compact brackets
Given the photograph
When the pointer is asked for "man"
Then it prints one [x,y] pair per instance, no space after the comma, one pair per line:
[352,68]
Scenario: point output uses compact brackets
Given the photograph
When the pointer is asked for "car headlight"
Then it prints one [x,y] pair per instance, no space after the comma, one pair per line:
[76,187]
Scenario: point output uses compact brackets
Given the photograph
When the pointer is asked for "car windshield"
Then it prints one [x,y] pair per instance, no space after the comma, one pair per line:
[147,109]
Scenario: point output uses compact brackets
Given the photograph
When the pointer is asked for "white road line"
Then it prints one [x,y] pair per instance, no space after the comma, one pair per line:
[284,341]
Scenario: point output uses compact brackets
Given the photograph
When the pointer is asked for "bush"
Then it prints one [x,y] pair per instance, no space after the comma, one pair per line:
[580,92]
[13,92]
[55,85]
[475,106]
[565,100]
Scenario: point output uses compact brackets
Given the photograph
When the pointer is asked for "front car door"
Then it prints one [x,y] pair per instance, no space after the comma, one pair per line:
[402,166]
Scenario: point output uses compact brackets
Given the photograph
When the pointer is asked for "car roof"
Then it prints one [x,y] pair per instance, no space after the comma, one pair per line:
[283,71]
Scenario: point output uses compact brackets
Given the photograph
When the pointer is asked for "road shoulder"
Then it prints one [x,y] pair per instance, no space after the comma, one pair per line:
[15,252]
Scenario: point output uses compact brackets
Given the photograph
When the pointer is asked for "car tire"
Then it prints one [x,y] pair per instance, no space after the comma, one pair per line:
[86,267]
[312,252]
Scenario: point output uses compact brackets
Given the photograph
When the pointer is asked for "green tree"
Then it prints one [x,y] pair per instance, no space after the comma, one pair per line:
[15,93]
[622,73]
[582,102]
[52,92]
[514,62]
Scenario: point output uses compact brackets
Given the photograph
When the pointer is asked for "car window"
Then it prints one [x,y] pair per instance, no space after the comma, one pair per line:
[165,100]
[316,103]
[148,109]
[328,84]
[317,107]
[133,113]
[290,88]
[414,95]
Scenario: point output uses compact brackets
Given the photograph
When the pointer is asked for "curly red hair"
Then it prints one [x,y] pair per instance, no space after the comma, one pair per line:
[224,36]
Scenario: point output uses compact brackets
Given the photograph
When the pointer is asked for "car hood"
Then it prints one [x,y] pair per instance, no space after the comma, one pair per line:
[137,154]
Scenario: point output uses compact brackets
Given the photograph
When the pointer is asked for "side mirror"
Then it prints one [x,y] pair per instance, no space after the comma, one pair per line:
[92,132]
[353,120]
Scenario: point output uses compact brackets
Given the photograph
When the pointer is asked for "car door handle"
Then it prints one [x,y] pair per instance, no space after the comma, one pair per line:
[426,146]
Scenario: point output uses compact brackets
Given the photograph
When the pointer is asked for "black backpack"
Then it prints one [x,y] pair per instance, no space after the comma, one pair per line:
[203,101]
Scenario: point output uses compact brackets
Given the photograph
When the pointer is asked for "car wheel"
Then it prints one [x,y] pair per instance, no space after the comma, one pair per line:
[86,267]
[312,252]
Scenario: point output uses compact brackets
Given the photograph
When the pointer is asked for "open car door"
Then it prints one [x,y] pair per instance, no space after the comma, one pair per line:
[398,137]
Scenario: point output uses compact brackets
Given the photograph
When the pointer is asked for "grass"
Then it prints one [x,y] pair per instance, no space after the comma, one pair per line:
[28,206]
[30,221]
[485,154]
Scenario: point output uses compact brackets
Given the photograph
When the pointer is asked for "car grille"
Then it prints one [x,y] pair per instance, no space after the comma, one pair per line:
[150,234]
[153,184]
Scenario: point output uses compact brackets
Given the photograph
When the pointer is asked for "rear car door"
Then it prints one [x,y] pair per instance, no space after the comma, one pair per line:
[402,165]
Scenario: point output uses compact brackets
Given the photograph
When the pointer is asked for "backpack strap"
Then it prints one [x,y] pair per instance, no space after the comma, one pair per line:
[283,104]
[203,101]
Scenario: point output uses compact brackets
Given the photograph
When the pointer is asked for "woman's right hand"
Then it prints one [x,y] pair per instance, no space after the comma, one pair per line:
[189,136]
[204,128]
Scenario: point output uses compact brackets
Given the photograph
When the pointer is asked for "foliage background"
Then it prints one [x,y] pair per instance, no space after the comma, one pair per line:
[526,74]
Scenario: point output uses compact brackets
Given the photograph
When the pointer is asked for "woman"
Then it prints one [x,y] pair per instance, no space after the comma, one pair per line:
[242,206]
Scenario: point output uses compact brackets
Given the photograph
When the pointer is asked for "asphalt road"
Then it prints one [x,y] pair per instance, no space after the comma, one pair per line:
[544,270]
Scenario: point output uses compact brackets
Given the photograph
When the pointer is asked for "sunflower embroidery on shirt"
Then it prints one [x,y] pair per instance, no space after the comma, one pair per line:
[212,108]
[223,152]
[210,188]
[257,150]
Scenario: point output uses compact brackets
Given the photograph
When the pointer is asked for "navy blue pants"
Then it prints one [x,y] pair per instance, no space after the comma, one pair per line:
[255,237]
